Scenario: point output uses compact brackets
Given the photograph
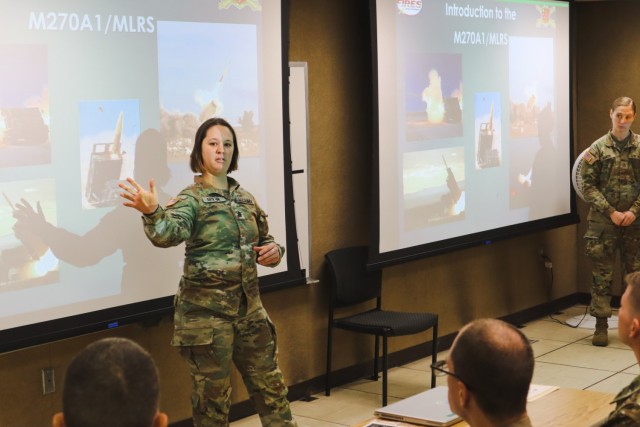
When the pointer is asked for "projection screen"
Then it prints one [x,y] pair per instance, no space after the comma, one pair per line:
[93,92]
[473,123]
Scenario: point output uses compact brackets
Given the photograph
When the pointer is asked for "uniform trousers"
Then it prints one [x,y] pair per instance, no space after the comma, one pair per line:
[250,342]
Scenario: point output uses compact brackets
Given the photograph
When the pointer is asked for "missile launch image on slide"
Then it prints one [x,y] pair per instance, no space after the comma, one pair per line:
[108,130]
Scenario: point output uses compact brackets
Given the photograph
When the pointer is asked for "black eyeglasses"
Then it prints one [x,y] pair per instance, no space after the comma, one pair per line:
[441,370]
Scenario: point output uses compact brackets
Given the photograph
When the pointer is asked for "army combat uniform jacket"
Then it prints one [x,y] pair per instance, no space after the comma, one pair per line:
[524,421]
[220,229]
[611,178]
[627,412]
[610,182]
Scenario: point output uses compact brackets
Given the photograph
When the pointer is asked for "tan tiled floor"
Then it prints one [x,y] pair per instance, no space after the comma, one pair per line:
[564,357]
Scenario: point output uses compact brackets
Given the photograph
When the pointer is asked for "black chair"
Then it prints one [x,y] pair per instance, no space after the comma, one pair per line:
[352,284]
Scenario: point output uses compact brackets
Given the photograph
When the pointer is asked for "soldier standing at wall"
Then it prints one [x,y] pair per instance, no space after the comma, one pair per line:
[611,186]
[219,316]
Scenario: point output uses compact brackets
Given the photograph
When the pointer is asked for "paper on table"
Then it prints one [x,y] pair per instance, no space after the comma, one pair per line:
[536,391]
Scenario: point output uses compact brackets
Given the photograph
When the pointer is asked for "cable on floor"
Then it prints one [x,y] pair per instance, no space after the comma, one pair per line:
[562,322]
[549,265]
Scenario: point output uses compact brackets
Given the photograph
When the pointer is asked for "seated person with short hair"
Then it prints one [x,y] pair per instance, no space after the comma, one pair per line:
[112,382]
[627,411]
[490,366]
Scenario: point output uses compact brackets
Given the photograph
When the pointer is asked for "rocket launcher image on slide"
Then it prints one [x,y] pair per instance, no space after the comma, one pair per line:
[104,169]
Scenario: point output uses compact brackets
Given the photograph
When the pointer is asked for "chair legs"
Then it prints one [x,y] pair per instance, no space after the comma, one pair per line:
[384,370]
[385,364]
[327,377]
[434,353]
[385,361]
[376,344]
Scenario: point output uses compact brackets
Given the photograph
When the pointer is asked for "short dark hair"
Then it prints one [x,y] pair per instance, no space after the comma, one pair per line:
[197,163]
[632,281]
[112,382]
[623,101]
[495,361]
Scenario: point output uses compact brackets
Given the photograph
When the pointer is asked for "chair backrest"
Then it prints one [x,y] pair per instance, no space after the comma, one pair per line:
[351,283]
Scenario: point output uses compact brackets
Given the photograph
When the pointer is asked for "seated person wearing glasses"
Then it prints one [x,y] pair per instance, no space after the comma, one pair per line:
[489,369]
[112,382]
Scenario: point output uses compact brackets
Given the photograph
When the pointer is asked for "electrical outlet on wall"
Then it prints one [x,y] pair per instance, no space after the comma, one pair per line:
[541,255]
[545,259]
[48,381]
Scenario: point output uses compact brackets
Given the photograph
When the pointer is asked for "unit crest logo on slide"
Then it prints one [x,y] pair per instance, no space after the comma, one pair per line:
[546,19]
[240,4]
[409,7]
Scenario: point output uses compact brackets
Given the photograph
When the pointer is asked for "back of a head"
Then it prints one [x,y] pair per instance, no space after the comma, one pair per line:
[112,382]
[632,281]
[495,361]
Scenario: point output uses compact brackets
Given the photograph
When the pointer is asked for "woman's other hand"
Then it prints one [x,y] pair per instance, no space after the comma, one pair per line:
[268,254]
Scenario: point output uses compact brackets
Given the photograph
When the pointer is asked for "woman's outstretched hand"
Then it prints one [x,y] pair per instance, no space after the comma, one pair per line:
[145,201]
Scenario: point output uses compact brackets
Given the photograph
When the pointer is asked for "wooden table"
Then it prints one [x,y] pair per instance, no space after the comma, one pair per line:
[570,407]
[565,407]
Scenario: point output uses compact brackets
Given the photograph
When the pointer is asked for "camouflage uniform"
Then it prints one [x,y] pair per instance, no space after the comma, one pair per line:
[611,182]
[218,313]
[627,412]
[524,421]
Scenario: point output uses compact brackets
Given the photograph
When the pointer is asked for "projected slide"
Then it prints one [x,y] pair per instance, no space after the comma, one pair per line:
[473,116]
[93,92]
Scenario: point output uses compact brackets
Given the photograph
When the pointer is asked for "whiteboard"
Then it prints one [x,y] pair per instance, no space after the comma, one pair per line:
[299,131]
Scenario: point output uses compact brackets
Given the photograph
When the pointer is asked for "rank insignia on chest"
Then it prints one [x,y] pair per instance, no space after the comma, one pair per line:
[214,199]
[244,201]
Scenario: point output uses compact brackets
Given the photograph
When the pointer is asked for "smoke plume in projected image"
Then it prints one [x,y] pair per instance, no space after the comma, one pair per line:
[434,99]
[433,187]
[208,70]
[531,83]
[531,88]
